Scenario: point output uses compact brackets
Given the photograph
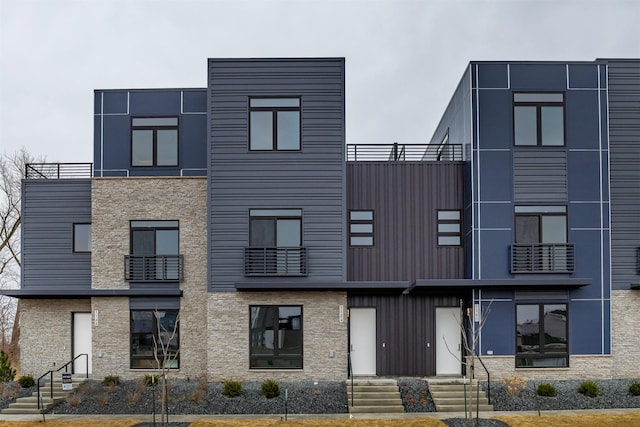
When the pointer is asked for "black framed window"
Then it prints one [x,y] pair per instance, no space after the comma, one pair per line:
[538,119]
[158,325]
[275,337]
[154,141]
[154,251]
[541,224]
[275,242]
[274,124]
[449,228]
[82,237]
[361,228]
[542,335]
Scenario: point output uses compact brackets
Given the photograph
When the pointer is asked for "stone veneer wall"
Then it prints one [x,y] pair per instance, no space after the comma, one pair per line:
[625,334]
[581,367]
[115,202]
[323,333]
[46,333]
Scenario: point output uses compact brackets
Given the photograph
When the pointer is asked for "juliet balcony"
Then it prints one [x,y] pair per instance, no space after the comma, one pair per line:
[153,268]
[275,261]
[542,258]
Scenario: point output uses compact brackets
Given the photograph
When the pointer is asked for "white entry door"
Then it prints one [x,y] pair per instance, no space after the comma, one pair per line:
[81,342]
[362,323]
[448,341]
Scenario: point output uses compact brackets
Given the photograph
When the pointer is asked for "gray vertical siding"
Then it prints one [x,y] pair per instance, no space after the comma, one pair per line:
[540,175]
[405,198]
[624,140]
[405,324]
[49,210]
[311,179]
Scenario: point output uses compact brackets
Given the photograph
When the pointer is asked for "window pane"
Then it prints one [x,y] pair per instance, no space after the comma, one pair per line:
[449,240]
[362,228]
[555,328]
[288,233]
[82,237]
[540,209]
[538,97]
[167,147]
[155,121]
[275,102]
[159,224]
[275,212]
[361,241]
[167,242]
[263,233]
[143,242]
[361,215]
[552,125]
[449,215]
[448,228]
[288,130]
[524,122]
[527,229]
[528,329]
[554,229]
[290,331]
[142,148]
[261,130]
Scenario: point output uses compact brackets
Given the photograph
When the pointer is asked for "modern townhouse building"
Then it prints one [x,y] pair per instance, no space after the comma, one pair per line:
[237,215]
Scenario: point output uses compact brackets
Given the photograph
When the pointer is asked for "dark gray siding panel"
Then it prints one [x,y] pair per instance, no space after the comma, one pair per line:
[49,210]
[311,179]
[405,324]
[405,198]
[540,176]
[624,140]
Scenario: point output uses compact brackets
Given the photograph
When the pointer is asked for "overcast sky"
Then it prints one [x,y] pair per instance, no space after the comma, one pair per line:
[403,58]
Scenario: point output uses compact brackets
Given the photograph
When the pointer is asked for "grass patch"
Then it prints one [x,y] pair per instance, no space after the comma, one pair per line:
[582,420]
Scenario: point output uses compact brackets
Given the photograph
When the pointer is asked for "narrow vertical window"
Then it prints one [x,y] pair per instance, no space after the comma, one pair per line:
[81,237]
[274,124]
[449,228]
[361,228]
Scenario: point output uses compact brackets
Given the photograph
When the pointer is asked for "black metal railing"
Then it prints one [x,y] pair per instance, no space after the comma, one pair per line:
[275,261]
[488,379]
[542,258]
[153,268]
[50,374]
[403,152]
[58,170]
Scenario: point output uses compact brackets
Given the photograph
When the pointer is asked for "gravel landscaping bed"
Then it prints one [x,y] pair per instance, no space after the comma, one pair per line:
[613,394]
[10,391]
[415,395]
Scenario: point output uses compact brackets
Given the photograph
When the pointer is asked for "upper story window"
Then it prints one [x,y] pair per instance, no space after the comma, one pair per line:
[361,228]
[538,119]
[154,252]
[449,228]
[82,237]
[154,141]
[541,224]
[274,124]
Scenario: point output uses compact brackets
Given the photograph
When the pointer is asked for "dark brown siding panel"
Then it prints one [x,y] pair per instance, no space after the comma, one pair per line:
[405,198]
[405,324]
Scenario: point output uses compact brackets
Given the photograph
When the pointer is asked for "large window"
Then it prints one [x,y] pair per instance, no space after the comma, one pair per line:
[274,124]
[275,237]
[542,335]
[275,337]
[154,252]
[361,228]
[82,237]
[150,331]
[538,119]
[449,228]
[154,141]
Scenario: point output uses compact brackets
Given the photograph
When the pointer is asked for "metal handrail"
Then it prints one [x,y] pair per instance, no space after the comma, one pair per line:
[153,268]
[50,373]
[488,379]
[542,258]
[275,261]
[350,367]
[404,152]
[58,170]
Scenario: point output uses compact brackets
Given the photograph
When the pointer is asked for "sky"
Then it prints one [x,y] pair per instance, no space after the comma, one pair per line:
[404,58]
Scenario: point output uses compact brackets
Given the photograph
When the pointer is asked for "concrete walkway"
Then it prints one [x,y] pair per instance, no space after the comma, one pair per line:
[192,418]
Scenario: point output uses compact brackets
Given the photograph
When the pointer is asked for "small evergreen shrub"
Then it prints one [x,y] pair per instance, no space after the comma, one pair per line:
[231,388]
[7,373]
[26,381]
[150,380]
[270,389]
[546,390]
[634,389]
[589,388]
[111,380]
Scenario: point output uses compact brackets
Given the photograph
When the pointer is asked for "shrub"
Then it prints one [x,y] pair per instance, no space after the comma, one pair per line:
[513,384]
[111,380]
[270,389]
[589,388]
[7,373]
[150,380]
[634,389]
[26,381]
[133,397]
[546,390]
[232,388]
[74,400]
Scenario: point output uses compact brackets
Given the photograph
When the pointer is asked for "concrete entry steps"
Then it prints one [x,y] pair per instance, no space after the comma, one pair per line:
[374,396]
[29,405]
[449,395]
